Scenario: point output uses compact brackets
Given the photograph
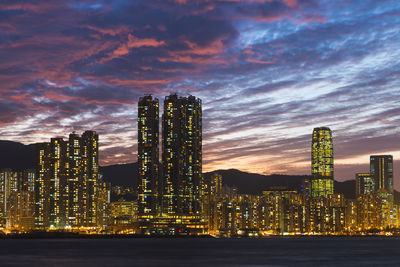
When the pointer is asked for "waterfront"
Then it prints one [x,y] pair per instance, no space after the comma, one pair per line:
[280,251]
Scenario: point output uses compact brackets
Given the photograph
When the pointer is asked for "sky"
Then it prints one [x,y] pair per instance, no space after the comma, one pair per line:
[267,71]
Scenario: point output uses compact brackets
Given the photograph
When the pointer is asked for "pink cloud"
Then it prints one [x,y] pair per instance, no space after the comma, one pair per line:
[112,31]
[289,3]
[257,61]
[210,54]
[133,42]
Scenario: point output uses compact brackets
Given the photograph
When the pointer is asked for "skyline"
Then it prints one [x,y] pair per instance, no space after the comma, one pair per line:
[268,72]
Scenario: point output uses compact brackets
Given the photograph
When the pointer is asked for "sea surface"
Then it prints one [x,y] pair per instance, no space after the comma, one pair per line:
[304,251]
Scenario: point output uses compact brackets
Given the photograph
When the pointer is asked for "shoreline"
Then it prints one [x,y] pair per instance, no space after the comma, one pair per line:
[58,235]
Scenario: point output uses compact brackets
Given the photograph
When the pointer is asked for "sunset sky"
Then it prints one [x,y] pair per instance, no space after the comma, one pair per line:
[267,71]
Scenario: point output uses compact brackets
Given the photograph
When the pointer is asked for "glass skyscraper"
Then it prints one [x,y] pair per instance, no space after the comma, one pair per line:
[381,169]
[322,162]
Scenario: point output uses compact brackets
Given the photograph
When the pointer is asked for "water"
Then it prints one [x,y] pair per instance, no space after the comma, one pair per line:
[308,251]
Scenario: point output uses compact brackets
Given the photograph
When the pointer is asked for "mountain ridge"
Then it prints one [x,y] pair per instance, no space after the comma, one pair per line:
[18,157]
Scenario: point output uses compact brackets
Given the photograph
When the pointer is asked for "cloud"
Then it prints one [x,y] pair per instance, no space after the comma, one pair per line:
[268,72]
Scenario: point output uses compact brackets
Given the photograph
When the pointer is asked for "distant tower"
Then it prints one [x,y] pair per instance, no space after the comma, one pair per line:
[381,169]
[148,156]
[365,184]
[182,155]
[322,162]
[216,184]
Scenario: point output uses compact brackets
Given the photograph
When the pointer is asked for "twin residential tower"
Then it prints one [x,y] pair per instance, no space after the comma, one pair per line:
[172,188]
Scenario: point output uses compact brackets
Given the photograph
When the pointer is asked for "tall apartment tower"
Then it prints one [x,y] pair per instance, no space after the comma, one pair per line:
[322,162]
[58,182]
[171,144]
[42,185]
[90,158]
[66,181]
[182,155]
[148,156]
[75,181]
[381,169]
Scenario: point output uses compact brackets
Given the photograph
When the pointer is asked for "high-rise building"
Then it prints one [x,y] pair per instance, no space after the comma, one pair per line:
[103,201]
[66,181]
[75,181]
[216,184]
[5,191]
[322,162]
[364,184]
[42,185]
[191,155]
[381,169]
[148,157]
[20,211]
[90,160]
[171,144]
[16,199]
[182,156]
[58,183]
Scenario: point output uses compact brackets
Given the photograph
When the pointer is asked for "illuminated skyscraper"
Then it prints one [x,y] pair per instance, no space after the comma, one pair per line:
[148,156]
[216,184]
[365,184]
[42,182]
[381,168]
[66,182]
[182,155]
[90,159]
[58,182]
[75,181]
[322,162]
[171,144]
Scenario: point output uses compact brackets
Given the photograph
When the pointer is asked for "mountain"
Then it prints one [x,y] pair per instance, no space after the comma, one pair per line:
[347,188]
[121,174]
[17,156]
[252,183]
[246,183]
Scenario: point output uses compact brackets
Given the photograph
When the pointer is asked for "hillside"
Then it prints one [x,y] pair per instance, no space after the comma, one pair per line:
[247,183]
[121,174]
[17,156]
